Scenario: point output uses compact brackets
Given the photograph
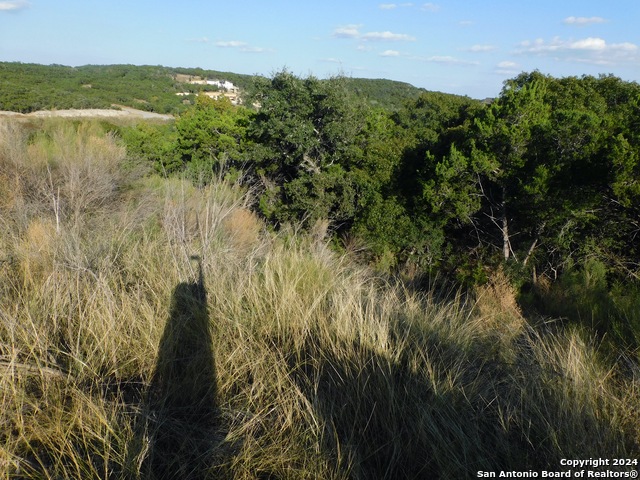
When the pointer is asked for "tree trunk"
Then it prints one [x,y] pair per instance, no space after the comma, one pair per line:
[506,246]
[531,249]
[506,249]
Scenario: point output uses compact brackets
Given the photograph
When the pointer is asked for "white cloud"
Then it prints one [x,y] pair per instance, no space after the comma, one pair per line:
[583,21]
[587,50]
[353,31]
[242,46]
[347,31]
[199,40]
[13,5]
[596,44]
[465,23]
[508,68]
[430,7]
[231,44]
[390,53]
[388,36]
[447,60]
[393,6]
[250,49]
[482,48]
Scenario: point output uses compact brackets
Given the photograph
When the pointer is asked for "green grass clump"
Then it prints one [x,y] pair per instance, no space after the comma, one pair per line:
[151,329]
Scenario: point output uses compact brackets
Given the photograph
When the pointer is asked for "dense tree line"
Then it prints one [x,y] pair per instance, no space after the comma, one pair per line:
[26,87]
[543,182]
[30,87]
[387,94]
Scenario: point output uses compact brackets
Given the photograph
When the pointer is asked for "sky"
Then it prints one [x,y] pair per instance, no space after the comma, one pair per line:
[466,47]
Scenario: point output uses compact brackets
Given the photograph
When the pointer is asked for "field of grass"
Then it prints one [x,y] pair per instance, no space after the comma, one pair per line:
[151,329]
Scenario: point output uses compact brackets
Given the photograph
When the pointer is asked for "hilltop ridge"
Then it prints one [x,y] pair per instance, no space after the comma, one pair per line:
[28,87]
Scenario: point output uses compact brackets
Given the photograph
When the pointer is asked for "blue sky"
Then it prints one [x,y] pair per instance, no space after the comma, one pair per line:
[467,47]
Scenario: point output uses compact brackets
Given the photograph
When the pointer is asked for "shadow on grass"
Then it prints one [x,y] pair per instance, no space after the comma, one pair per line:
[180,413]
[440,410]
[386,420]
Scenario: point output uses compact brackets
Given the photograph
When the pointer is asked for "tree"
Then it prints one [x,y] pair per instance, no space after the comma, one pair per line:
[304,132]
[505,134]
[211,136]
[436,181]
[155,144]
[566,164]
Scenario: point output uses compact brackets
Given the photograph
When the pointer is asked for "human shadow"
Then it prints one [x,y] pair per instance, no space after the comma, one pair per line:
[181,406]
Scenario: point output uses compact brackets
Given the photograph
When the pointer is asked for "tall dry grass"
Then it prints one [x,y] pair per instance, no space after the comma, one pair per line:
[308,366]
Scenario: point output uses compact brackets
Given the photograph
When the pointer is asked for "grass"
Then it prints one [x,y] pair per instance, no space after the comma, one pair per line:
[283,360]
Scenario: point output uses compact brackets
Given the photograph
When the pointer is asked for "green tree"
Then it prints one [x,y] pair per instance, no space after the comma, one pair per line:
[566,168]
[155,144]
[304,132]
[436,181]
[211,137]
[506,132]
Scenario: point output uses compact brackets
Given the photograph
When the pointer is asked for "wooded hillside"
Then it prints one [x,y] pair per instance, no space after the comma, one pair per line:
[29,87]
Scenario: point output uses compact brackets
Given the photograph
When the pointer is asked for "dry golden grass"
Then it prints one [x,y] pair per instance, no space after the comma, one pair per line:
[303,366]
[243,228]
[496,309]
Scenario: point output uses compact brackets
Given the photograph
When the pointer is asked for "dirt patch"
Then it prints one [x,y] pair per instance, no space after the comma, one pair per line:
[121,113]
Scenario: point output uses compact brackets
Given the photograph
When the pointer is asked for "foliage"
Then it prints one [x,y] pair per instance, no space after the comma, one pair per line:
[153,144]
[434,181]
[381,93]
[304,131]
[560,146]
[211,137]
[29,87]
[562,197]
[320,152]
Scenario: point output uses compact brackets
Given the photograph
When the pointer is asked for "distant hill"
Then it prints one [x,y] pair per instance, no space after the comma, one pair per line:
[388,94]
[27,87]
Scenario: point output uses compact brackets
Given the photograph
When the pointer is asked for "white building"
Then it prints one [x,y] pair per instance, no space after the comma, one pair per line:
[224,84]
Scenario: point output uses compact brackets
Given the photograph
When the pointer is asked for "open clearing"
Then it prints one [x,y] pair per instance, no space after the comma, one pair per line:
[122,112]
